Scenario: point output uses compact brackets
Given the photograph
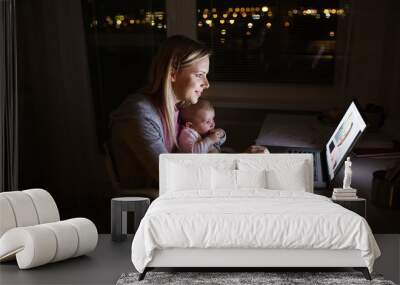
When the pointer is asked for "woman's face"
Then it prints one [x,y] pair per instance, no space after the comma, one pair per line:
[189,82]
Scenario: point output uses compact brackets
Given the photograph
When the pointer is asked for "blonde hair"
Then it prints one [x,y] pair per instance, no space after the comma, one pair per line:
[177,52]
[189,113]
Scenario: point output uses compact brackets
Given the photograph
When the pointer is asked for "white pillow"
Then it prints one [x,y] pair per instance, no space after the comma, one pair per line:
[227,179]
[251,178]
[281,174]
[224,179]
[183,178]
[294,178]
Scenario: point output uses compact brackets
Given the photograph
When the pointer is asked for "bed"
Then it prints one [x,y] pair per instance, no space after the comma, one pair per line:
[246,211]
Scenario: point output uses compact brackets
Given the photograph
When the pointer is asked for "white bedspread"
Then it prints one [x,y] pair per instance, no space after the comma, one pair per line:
[250,219]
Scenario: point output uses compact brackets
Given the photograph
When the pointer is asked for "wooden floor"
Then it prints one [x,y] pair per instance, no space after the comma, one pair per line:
[111,259]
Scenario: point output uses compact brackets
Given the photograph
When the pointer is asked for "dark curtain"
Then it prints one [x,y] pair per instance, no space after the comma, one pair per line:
[8,97]
[58,145]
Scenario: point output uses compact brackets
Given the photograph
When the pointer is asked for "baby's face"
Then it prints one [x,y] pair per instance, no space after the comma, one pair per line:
[204,122]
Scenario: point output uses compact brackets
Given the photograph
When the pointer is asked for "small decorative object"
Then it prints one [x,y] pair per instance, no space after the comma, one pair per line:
[347,192]
[347,174]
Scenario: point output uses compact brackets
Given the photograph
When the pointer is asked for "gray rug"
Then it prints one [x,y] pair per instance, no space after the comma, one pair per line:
[270,278]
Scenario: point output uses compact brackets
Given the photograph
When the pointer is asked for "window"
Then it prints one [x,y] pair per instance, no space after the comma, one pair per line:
[122,38]
[281,41]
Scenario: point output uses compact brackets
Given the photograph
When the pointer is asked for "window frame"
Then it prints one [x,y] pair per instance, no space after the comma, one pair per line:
[279,96]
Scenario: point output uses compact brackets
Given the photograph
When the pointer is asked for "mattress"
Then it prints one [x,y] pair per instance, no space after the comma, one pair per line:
[251,219]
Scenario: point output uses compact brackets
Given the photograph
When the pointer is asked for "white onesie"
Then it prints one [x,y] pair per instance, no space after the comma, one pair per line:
[191,141]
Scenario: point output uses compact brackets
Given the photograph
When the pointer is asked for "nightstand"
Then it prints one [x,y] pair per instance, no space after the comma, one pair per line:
[119,208]
[357,205]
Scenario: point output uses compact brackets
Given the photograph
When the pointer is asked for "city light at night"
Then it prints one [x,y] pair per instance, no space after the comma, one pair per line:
[278,42]
[272,38]
[157,19]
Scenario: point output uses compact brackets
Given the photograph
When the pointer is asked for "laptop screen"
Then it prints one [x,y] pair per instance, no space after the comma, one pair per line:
[343,139]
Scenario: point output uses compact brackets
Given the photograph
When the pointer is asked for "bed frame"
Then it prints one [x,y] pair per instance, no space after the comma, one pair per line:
[242,259]
[247,258]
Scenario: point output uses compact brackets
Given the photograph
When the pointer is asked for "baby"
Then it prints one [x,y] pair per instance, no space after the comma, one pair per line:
[198,134]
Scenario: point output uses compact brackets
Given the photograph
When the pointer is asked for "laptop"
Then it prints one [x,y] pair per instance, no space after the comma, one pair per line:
[328,161]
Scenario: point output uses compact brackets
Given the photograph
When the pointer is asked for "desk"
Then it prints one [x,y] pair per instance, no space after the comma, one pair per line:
[293,131]
[307,131]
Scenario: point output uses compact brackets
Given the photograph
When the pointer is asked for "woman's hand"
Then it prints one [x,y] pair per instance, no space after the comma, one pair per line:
[256,149]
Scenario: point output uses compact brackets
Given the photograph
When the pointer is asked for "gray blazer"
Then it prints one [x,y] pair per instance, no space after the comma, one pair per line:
[136,142]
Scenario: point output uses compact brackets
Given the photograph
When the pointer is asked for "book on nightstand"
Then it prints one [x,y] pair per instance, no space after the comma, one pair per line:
[344,194]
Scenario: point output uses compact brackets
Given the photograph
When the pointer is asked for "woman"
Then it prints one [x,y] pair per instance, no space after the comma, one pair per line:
[146,124]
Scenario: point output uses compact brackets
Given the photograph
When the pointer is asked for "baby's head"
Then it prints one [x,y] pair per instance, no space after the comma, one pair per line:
[199,116]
